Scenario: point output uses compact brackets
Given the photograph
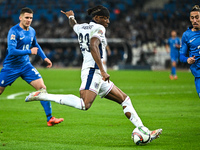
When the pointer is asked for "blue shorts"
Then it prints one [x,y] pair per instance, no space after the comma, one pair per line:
[197,84]
[27,73]
[174,58]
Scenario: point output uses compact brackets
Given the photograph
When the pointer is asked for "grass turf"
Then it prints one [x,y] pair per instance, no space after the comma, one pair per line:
[173,106]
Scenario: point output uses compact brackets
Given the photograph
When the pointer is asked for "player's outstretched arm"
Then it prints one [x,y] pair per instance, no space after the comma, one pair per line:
[70,15]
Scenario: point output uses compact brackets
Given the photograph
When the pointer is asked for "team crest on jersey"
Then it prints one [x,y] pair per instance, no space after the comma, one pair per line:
[100,32]
[2,82]
[12,37]
[96,85]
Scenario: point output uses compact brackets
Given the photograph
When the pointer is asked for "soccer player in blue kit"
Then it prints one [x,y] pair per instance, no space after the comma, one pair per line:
[191,45]
[21,41]
[174,44]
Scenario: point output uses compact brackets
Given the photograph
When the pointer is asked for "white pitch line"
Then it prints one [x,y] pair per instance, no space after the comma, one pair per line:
[12,96]
[161,93]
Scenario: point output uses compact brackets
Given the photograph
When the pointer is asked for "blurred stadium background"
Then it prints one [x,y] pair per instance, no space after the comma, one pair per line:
[136,35]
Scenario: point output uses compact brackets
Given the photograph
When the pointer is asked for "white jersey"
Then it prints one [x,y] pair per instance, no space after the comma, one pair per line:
[85,32]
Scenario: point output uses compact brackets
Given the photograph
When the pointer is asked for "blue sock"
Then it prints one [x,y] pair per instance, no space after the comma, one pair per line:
[47,108]
[173,71]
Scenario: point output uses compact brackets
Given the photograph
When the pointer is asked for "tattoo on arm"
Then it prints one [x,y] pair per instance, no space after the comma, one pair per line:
[72,22]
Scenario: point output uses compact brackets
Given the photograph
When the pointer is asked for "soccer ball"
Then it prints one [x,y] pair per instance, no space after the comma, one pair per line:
[141,135]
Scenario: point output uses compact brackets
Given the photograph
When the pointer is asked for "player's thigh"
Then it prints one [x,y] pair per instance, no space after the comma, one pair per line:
[197,84]
[8,76]
[38,84]
[88,97]
[1,89]
[116,95]
[32,77]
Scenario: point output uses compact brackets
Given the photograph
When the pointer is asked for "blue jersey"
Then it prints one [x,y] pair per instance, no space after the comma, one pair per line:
[19,44]
[174,51]
[191,46]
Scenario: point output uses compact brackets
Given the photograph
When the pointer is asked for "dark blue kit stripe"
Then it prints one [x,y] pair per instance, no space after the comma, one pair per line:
[89,79]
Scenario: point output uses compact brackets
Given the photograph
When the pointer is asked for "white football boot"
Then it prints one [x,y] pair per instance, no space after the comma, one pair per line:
[34,96]
[155,134]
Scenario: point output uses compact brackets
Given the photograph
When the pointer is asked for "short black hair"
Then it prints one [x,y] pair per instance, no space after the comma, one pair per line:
[26,10]
[195,8]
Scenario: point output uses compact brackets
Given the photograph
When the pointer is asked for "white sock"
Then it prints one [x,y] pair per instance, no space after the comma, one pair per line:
[135,119]
[69,100]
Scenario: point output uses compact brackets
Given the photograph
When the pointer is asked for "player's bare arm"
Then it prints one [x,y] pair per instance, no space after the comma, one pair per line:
[167,48]
[94,48]
[34,50]
[70,15]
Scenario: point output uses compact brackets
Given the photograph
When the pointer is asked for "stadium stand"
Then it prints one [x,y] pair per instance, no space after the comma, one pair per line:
[144,24]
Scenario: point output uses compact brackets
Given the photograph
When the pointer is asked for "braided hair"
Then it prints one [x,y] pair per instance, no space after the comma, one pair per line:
[99,11]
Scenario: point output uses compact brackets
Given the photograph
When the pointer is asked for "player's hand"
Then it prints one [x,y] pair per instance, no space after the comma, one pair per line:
[34,50]
[49,63]
[106,77]
[191,60]
[177,45]
[68,13]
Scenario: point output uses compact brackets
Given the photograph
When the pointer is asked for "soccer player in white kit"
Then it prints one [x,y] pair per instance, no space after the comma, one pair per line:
[95,80]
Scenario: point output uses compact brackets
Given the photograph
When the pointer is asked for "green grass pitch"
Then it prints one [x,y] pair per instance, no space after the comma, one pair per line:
[173,106]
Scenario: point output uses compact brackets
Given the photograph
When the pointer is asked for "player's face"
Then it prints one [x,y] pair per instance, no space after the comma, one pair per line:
[103,21]
[195,19]
[173,34]
[25,20]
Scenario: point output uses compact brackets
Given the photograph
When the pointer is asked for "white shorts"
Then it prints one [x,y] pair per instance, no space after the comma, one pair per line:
[92,80]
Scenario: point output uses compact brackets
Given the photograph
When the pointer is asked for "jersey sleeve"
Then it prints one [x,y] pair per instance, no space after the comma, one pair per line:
[183,49]
[98,32]
[12,40]
[40,51]
[75,28]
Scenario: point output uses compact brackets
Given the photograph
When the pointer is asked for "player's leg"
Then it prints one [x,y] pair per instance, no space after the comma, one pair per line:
[39,84]
[120,97]
[88,92]
[1,89]
[197,84]
[115,94]
[83,103]
[33,77]
[174,59]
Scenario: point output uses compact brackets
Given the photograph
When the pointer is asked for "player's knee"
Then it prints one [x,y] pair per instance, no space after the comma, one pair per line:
[1,91]
[87,106]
